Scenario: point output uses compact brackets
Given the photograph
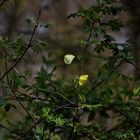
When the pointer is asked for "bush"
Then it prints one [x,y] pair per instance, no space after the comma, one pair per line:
[100,105]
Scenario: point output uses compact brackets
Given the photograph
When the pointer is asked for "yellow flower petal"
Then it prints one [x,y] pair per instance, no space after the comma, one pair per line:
[68,58]
[83,79]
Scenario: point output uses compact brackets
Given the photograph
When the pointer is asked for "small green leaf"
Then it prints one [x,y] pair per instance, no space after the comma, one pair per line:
[45,25]
[31,20]
[136,91]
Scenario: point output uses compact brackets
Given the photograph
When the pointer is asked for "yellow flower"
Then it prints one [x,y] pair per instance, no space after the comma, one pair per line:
[83,79]
[68,58]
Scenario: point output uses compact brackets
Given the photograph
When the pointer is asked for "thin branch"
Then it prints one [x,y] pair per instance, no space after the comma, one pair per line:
[138,120]
[64,97]
[12,90]
[17,62]
[58,93]
[75,118]
[102,81]
[30,129]
[92,137]
[84,51]
[64,107]
[132,63]
[137,126]
[43,133]
[27,48]
[6,128]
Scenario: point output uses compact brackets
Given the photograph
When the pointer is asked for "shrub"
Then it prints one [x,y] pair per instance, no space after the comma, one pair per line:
[81,107]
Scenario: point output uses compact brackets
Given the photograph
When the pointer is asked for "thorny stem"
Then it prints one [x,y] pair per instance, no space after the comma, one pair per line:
[28,131]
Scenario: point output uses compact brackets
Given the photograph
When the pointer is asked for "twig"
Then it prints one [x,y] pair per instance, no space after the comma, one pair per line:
[132,63]
[75,118]
[58,93]
[17,62]
[28,131]
[6,128]
[92,137]
[43,133]
[138,120]
[84,52]
[27,48]
[12,90]
[64,98]
[137,126]
[67,106]
[102,81]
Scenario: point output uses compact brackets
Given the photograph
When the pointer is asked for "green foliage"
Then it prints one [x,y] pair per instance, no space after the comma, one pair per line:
[50,118]
[103,105]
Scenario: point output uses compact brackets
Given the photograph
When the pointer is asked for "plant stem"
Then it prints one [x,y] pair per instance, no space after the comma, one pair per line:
[75,118]
[43,133]
[12,90]
[33,126]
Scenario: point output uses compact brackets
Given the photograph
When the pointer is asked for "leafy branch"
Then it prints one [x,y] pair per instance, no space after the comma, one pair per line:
[75,118]
[27,48]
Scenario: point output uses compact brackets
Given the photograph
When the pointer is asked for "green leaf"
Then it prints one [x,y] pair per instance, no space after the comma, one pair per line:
[136,91]
[31,20]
